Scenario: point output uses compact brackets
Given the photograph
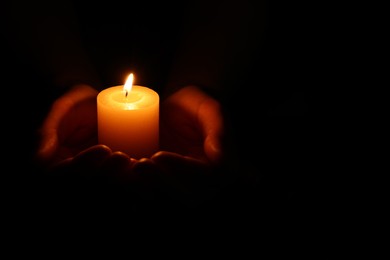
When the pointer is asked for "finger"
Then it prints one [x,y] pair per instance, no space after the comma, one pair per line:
[211,120]
[88,161]
[145,169]
[59,169]
[82,175]
[116,166]
[49,142]
[186,173]
[213,148]
[176,163]
[178,169]
[47,146]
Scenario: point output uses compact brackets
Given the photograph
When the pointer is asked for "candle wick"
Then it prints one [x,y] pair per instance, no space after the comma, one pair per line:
[126,93]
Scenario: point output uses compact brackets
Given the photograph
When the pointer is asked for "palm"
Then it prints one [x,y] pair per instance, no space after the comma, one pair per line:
[191,124]
[78,129]
[180,132]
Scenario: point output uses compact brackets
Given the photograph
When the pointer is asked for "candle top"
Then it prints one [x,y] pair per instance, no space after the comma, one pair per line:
[139,97]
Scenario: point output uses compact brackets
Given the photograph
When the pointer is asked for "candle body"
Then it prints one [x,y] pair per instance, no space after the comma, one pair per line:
[129,123]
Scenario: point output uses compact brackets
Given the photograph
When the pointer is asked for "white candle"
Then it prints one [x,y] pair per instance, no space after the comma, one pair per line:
[128,119]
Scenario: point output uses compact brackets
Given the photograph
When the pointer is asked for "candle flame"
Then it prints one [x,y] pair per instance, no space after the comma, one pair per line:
[128,84]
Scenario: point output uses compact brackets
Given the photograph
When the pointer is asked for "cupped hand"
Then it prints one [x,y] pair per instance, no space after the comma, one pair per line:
[191,141]
[192,124]
[70,126]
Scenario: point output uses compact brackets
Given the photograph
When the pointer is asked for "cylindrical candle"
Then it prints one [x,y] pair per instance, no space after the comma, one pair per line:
[128,121]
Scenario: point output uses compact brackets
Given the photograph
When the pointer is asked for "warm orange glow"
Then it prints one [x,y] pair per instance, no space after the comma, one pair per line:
[128,84]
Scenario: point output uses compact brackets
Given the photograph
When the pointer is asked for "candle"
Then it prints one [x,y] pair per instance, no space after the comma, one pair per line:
[128,119]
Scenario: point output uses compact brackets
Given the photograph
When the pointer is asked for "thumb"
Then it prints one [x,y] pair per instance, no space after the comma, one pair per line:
[213,149]
[47,146]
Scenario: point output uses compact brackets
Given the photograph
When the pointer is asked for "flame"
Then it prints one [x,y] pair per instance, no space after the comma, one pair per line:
[128,84]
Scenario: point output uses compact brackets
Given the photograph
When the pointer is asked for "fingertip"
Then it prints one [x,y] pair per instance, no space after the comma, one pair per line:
[93,154]
[117,160]
[162,156]
[60,168]
[143,162]
[46,151]
[101,147]
[115,165]
[213,150]
[144,166]
[172,163]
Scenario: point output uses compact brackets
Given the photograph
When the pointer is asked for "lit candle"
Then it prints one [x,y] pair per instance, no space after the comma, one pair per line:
[128,119]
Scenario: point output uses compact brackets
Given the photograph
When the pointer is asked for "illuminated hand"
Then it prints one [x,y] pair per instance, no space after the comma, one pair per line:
[191,131]
[69,127]
[192,125]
